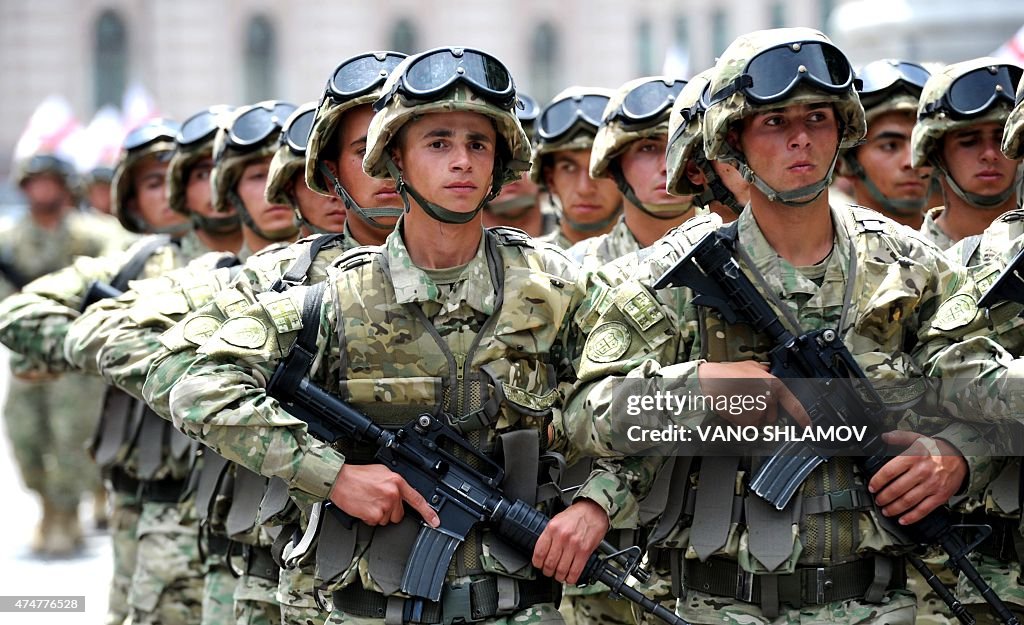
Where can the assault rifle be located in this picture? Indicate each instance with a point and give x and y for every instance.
(822, 374)
(462, 496)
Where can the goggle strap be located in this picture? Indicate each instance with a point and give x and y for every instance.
(741, 82)
(366, 214)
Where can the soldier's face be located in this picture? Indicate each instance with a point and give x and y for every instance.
(45, 191)
(583, 199)
(366, 191)
(522, 187)
(790, 147)
(324, 212)
(885, 157)
(99, 196)
(643, 166)
(449, 158)
(251, 188)
(198, 194)
(150, 197)
(973, 158)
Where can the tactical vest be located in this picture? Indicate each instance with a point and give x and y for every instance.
(492, 378)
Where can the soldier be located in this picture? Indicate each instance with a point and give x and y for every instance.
(146, 471)
(443, 291)
(561, 165)
(188, 181)
(714, 185)
(48, 416)
(880, 170)
(96, 188)
(629, 148)
(959, 128)
(519, 203)
(782, 105)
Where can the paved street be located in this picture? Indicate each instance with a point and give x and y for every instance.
(22, 574)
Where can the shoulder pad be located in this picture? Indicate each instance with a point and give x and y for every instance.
(356, 257)
(868, 220)
(507, 235)
(1011, 216)
(270, 249)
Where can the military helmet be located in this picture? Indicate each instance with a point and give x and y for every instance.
(962, 95)
(97, 175)
(569, 122)
(768, 68)
(1013, 132)
(290, 157)
(890, 85)
(153, 138)
(194, 143)
(527, 110)
(44, 163)
(251, 134)
(637, 110)
(685, 132)
(355, 82)
(423, 84)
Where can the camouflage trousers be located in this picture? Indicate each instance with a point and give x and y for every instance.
(49, 423)
(540, 614)
(167, 588)
(295, 593)
(897, 608)
(1005, 580)
(256, 601)
(218, 592)
(596, 609)
(659, 588)
(124, 530)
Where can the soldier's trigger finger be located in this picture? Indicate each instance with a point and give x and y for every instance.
(412, 497)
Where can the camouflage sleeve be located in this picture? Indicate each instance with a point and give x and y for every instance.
(619, 484)
(975, 442)
(35, 321)
(221, 398)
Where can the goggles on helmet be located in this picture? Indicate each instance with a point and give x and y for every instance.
(150, 132)
(647, 101)
(561, 116)
(527, 109)
(201, 126)
(361, 74)
(878, 77)
(433, 73)
(256, 123)
(296, 130)
(977, 91)
(774, 73)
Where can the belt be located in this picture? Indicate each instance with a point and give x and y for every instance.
(259, 563)
(466, 603)
(123, 483)
(805, 586)
(162, 491)
(1002, 543)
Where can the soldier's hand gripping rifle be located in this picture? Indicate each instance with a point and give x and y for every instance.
(461, 495)
(820, 371)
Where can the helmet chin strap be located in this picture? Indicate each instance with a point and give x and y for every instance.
(715, 190)
(176, 231)
(513, 208)
(595, 226)
(437, 211)
(658, 211)
(369, 215)
(898, 207)
(216, 225)
(796, 197)
(978, 200)
(281, 234)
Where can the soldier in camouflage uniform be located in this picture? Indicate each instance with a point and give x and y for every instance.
(561, 166)
(959, 128)
(146, 463)
(825, 557)
(48, 416)
(880, 169)
(519, 204)
(456, 145)
(95, 187)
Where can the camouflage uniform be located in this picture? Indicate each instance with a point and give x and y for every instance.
(166, 583)
(931, 231)
(642, 336)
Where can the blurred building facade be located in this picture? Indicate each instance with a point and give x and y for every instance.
(192, 53)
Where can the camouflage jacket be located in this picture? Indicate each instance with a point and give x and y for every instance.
(931, 231)
(485, 345)
(594, 252)
(905, 292)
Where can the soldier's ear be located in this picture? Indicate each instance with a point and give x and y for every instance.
(694, 174)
